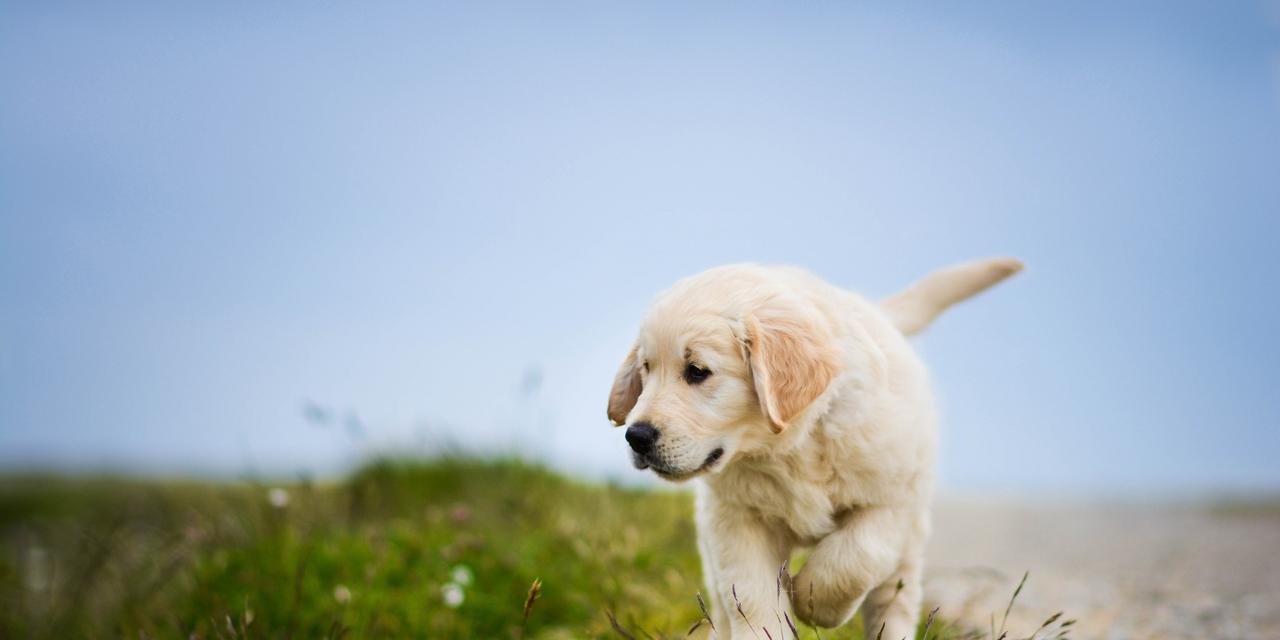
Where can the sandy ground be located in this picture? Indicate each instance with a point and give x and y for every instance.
(1124, 571)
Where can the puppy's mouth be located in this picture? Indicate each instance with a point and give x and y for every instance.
(667, 473)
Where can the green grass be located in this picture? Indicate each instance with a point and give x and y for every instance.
(368, 557)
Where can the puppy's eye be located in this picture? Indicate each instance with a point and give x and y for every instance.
(693, 374)
(646, 366)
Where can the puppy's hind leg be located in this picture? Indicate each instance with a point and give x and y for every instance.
(891, 610)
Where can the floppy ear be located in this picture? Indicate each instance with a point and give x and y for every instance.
(793, 358)
(626, 388)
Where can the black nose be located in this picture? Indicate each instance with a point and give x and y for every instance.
(641, 437)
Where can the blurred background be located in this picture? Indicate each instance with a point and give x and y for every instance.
(275, 240)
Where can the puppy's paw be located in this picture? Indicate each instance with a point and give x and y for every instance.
(816, 603)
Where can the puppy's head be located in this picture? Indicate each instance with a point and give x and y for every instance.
(724, 362)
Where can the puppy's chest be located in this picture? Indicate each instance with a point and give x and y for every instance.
(806, 502)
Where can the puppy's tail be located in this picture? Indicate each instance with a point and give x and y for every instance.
(913, 308)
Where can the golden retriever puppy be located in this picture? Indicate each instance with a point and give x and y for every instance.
(810, 420)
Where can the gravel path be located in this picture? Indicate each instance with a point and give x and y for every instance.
(1124, 571)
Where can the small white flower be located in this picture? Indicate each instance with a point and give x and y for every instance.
(279, 498)
(452, 594)
(342, 594)
(462, 575)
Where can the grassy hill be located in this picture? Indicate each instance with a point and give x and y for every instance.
(440, 549)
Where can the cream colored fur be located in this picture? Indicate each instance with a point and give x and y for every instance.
(815, 428)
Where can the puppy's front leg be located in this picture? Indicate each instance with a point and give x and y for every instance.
(743, 558)
(847, 564)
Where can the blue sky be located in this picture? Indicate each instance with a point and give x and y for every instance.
(442, 224)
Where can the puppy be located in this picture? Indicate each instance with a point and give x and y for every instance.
(810, 420)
